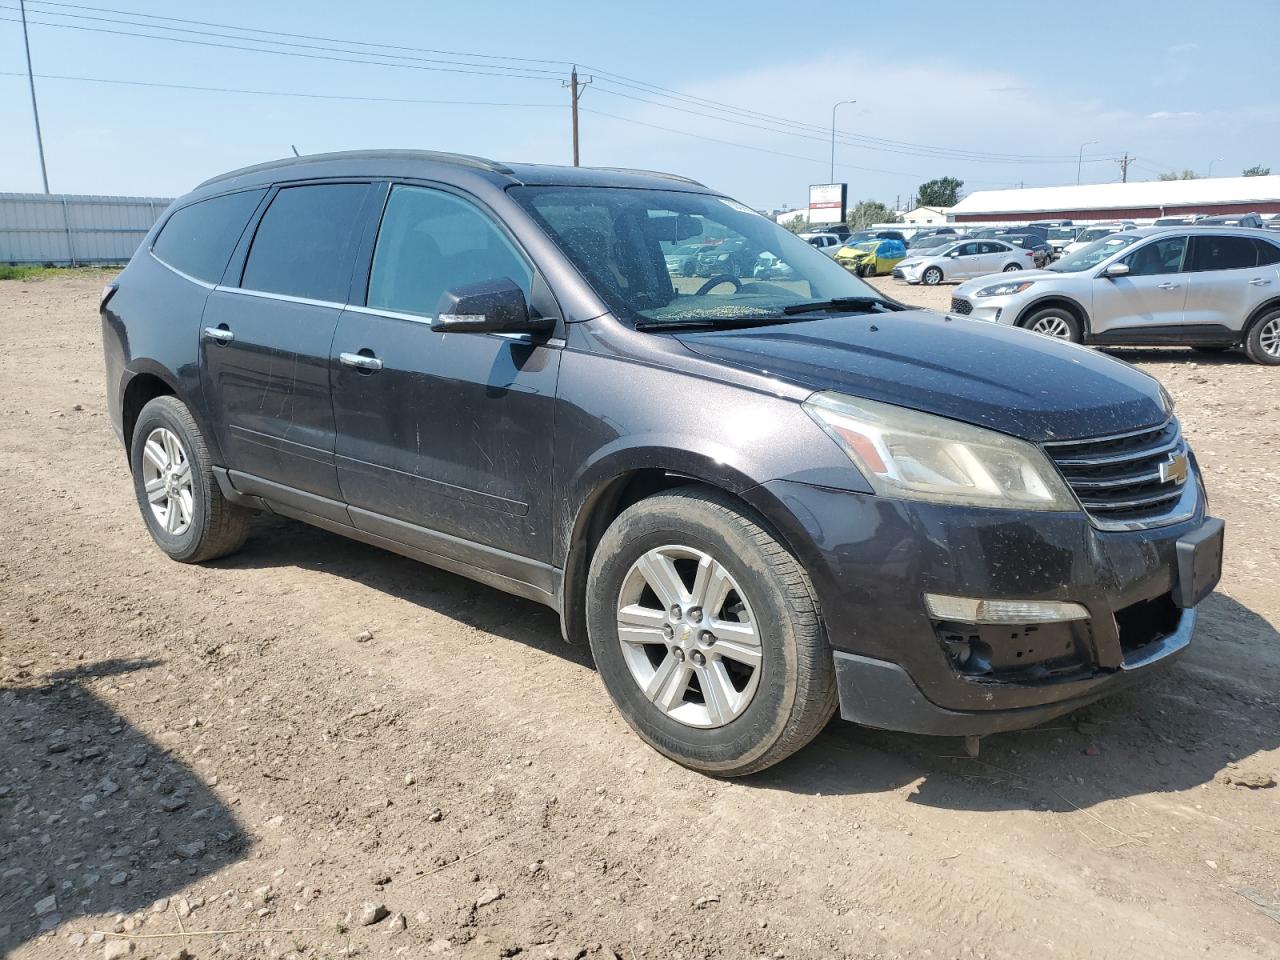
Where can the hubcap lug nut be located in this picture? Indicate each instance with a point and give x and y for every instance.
(698, 658)
(707, 637)
(667, 631)
(678, 653)
(695, 613)
(675, 612)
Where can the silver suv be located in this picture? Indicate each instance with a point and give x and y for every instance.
(1196, 287)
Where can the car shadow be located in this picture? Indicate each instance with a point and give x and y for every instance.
(1205, 358)
(280, 542)
(1178, 731)
(97, 817)
(1170, 734)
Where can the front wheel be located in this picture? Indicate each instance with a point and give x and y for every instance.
(706, 634)
(1054, 322)
(931, 277)
(181, 503)
(1263, 342)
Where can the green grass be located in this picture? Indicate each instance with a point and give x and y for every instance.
(40, 273)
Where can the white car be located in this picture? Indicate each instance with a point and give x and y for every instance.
(963, 260)
(1095, 233)
(826, 242)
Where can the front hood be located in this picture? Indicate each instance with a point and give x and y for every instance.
(977, 283)
(1010, 380)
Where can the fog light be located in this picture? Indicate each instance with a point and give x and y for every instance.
(973, 610)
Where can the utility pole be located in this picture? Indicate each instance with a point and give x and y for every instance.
(1080, 158)
(35, 111)
(1124, 166)
(575, 92)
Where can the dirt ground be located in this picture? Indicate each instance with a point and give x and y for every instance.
(217, 759)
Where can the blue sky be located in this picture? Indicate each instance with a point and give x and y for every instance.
(993, 93)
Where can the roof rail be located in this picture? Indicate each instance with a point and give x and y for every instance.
(652, 173)
(438, 156)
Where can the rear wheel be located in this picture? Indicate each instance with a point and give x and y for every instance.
(706, 634)
(1263, 342)
(931, 277)
(1010, 267)
(181, 503)
(1054, 322)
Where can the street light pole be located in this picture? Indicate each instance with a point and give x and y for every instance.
(1080, 158)
(833, 137)
(1212, 162)
(35, 112)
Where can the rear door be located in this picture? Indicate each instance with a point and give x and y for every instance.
(444, 440)
(265, 344)
(1148, 303)
(1227, 280)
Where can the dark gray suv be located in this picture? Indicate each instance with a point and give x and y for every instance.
(755, 499)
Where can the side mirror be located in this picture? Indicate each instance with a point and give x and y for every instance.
(953, 254)
(1116, 270)
(493, 306)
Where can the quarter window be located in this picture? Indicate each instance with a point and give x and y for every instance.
(431, 241)
(1223, 253)
(199, 239)
(1163, 256)
(1268, 253)
(303, 246)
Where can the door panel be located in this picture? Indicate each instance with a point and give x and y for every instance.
(1226, 283)
(453, 433)
(1153, 294)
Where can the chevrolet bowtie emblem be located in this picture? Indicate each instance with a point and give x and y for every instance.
(1174, 470)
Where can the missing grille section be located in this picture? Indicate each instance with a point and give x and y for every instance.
(1023, 653)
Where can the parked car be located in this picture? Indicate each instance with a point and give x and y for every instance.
(771, 267)
(960, 261)
(1183, 220)
(1059, 237)
(1002, 233)
(931, 241)
(1233, 220)
(928, 233)
(1095, 233)
(861, 236)
(1052, 224)
(1209, 287)
(872, 258)
(729, 258)
(1041, 251)
(826, 242)
(682, 261)
(477, 365)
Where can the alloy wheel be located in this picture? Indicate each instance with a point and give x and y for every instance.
(1052, 326)
(688, 636)
(1269, 337)
(166, 477)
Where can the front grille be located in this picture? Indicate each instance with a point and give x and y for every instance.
(1119, 478)
(899, 274)
(961, 306)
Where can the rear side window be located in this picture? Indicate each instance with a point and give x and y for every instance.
(304, 243)
(431, 241)
(1223, 253)
(1268, 253)
(199, 239)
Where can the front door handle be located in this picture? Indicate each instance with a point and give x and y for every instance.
(1259, 282)
(221, 334)
(360, 362)
(1167, 285)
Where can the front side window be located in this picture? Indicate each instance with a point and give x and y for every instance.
(1223, 253)
(624, 243)
(968, 250)
(304, 244)
(431, 241)
(1154, 259)
(199, 239)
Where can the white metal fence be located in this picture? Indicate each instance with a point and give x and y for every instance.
(69, 230)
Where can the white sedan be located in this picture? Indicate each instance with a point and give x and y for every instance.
(962, 261)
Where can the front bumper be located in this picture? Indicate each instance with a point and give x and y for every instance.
(992, 309)
(871, 560)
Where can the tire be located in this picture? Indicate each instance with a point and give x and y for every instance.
(1262, 345)
(769, 710)
(1054, 322)
(195, 522)
(1010, 267)
(931, 277)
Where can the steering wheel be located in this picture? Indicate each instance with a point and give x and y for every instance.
(715, 281)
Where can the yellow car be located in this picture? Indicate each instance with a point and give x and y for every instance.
(871, 258)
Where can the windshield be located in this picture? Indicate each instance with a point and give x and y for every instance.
(619, 238)
(1095, 253)
(938, 251)
(1063, 233)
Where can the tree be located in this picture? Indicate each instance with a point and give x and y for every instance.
(1187, 174)
(942, 192)
(796, 224)
(1257, 170)
(867, 212)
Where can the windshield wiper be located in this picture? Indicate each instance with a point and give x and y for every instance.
(713, 323)
(847, 304)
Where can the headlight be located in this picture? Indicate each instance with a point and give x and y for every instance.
(917, 456)
(1008, 288)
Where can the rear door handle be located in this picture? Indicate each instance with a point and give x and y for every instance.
(1167, 285)
(360, 362)
(220, 334)
(1259, 282)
